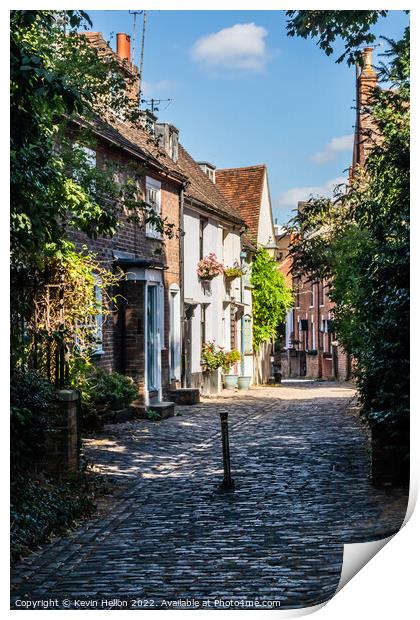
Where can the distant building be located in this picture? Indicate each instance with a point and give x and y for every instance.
(311, 347)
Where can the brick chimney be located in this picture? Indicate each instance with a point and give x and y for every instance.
(367, 68)
(122, 54)
(123, 46)
(367, 80)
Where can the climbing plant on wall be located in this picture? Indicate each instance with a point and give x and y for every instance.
(271, 297)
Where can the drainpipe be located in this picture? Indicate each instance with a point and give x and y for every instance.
(318, 321)
(242, 256)
(181, 281)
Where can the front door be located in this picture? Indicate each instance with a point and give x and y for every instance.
(152, 339)
(188, 345)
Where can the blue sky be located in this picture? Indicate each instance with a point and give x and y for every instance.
(244, 93)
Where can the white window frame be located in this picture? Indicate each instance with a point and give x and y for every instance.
(312, 295)
(91, 160)
(99, 317)
(322, 296)
(153, 184)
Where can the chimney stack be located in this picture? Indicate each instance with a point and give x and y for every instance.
(123, 46)
(367, 68)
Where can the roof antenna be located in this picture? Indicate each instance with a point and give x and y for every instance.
(133, 47)
(142, 49)
(154, 103)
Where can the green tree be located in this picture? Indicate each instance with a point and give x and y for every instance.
(360, 241)
(60, 89)
(351, 27)
(271, 297)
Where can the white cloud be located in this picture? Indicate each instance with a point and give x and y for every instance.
(291, 198)
(240, 47)
(155, 88)
(336, 145)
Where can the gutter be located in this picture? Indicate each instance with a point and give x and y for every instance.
(181, 282)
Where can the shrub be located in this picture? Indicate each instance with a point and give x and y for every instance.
(41, 508)
(231, 357)
(32, 416)
(113, 390)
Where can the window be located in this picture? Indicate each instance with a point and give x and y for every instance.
(174, 333)
(153, 199)
(210, 174)
(296, 287)
(203, 324)
(312, 295)
(225, 243)
(98, 317)
(321, 293)
(203, 224)
(87, 161)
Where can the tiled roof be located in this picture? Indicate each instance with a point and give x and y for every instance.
(204, 191)
(243, 188)
(140, 143)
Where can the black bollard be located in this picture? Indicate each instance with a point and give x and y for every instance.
(227, 484)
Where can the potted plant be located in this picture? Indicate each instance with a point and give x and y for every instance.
(244, 383)
(212, 359)
(230, 380)
(231, 273)
(209, 267)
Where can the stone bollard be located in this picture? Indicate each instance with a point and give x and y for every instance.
(63, 443)
(227, 484)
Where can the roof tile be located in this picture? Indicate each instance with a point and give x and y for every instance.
(243, 188)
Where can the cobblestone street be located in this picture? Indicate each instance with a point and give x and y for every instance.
(301, 466)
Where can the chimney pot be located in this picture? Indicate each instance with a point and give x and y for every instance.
(367, 60)
(123, 46)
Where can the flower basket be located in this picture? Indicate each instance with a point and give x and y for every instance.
(231, 273)
(209, 267)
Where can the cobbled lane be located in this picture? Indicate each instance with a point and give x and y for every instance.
(301, 466)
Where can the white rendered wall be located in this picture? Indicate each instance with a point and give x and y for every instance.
(227, 248)
(265, 223)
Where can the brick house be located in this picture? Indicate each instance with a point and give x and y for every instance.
(311, 347)
(248, 191)
(141, 338)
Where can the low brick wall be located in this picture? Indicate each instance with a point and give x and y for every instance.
(343, 365)
(312, 366)
(63, 444)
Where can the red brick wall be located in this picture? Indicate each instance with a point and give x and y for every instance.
(131, 238)
(310, 307)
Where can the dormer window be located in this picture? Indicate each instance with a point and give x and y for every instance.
(168, 139)
(209, 170)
